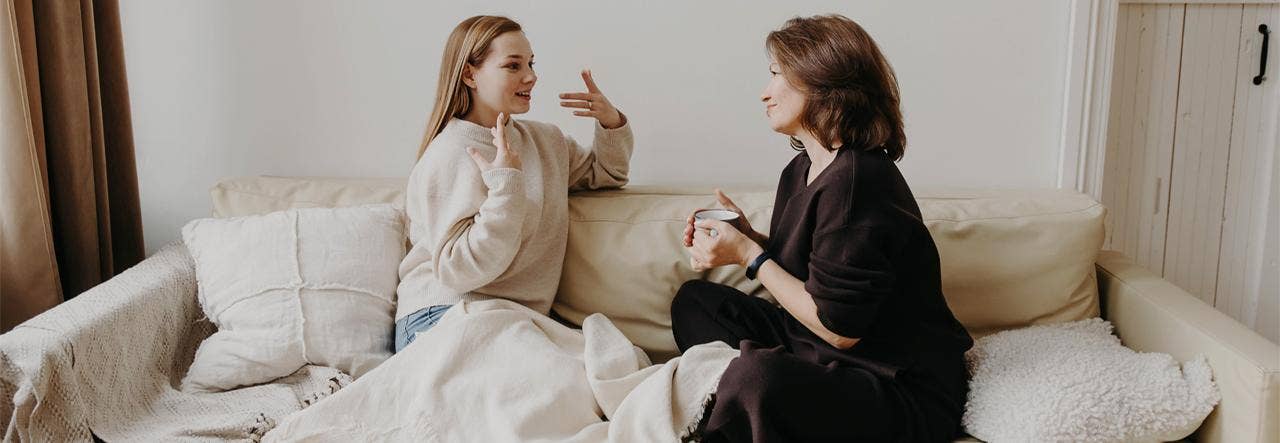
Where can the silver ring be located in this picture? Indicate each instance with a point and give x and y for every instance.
(713, 233)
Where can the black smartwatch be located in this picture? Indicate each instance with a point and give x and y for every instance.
(755, 265)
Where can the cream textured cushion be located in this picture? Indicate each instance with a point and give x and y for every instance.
(1075, 382)
(1010, 258)
(285, 289)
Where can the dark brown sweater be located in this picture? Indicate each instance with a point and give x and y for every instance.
(856, 238)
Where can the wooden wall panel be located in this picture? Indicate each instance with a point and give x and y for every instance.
(1251, 184)
(1141, 129)
(1202, 142)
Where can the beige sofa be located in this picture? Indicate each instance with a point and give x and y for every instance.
(1010, 259)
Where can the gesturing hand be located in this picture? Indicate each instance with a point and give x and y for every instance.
(594, 102)
(505, 158)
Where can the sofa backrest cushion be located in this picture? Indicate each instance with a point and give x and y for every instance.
(1010, 258)
(239, 196)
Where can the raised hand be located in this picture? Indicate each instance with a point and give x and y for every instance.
(592, 104)
(505, 158)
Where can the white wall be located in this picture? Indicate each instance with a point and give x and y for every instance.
(336, 88)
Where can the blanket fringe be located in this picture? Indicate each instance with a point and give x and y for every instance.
(263, 424)
(693, 432)
(334, 384)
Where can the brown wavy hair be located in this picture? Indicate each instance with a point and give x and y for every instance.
(468, 44)
(850, 89)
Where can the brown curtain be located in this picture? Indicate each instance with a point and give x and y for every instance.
(69, 208)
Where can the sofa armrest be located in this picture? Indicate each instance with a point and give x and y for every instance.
(100, 352)
(1150, 314)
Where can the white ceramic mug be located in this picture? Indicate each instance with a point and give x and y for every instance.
(723, 215)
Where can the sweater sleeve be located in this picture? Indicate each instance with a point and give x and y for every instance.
(605, 163)
(470, 221)
(850, 277)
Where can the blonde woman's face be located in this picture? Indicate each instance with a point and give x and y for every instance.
(783, 103)
(504, 81)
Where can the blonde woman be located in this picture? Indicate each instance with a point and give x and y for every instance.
(488, 198)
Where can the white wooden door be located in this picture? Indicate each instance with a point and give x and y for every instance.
(1191, 148)
(1144, 96)
(1252, 186)
(1201, 145)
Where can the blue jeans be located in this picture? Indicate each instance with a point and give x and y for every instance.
(408, 327)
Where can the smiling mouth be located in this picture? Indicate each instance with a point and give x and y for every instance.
(526, 94)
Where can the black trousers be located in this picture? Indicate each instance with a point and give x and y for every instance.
(769, 394)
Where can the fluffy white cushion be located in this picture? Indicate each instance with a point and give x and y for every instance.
(1076, 382)
(290, 288)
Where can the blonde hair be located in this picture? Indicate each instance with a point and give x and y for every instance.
(468, 44)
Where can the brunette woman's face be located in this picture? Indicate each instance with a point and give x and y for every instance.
(783, 103)
(504, 80)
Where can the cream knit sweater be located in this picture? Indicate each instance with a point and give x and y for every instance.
(501, 233)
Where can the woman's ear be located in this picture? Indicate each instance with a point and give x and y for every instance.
(468, 76)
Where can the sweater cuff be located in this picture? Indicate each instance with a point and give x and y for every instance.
(503, 180)
(626, 124)
(619, 136)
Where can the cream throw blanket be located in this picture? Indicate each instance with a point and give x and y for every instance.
(495, 370)
(110, 360)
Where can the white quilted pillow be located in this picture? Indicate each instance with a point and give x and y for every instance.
(1076, 382)
(290, 288)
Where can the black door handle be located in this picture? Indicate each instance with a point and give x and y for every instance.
(1262, 69)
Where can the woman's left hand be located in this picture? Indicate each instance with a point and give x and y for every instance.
(593, 103)
(716, 243)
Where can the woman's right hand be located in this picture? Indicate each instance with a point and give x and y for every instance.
(506, 158)
(742, 224)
